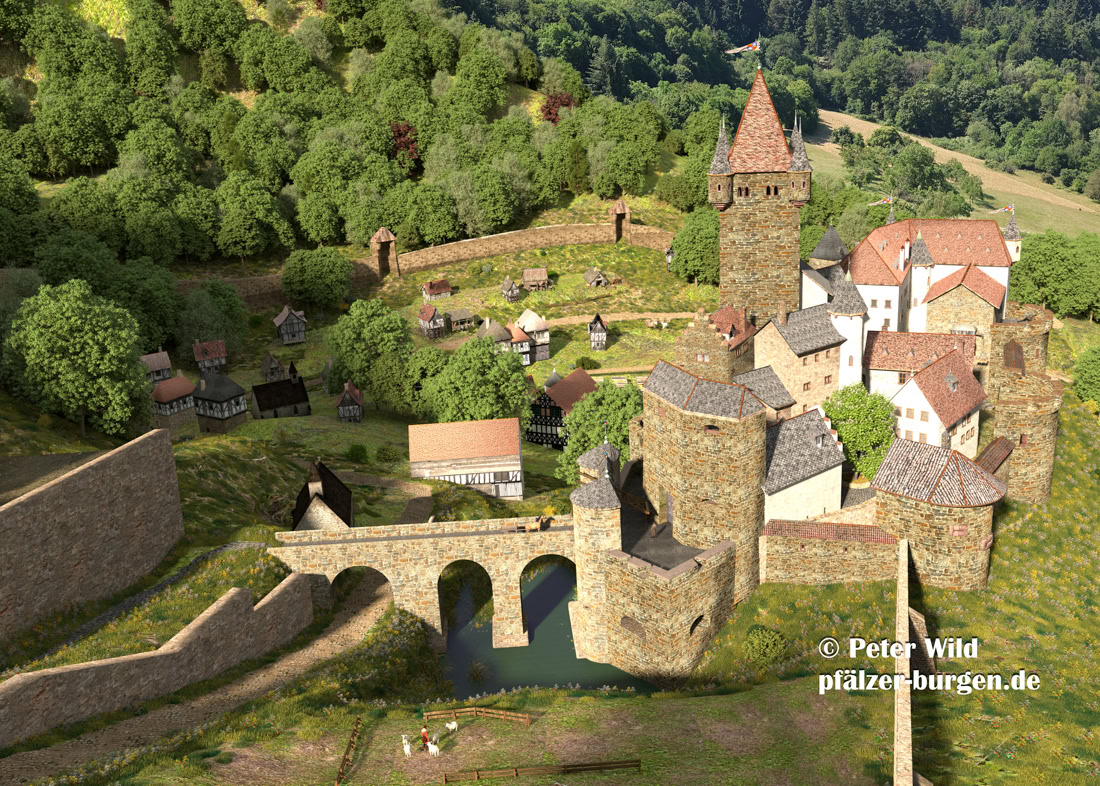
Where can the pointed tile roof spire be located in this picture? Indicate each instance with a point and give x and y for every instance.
(919, 254)
(720, 164)
(830, 247)
(759, 144)
(846, 299)
(1011, 230)
(800, 162)
(891, 219)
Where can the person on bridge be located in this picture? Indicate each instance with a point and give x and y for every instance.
(424, 738)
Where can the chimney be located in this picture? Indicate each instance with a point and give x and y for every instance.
(901, 258)
(907, 249)
(781, 317)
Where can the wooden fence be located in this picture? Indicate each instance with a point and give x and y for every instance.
(549, 769)
(352, 743)
(485, 712)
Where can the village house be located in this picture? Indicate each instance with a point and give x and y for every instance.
(482, 454)
(433, 322)
(271, 369)
(535, 278)
(291, 325)
(537, 328)
(804, 462)
(892, 359)
(521, 343)
(460, 319)
(594, 278)
(210, 355)
(350, 406)
(549, 408)
(219, 403)
(324, 502)
(510, 291)
(597, 334)
(967, 302)
(940, 405)
(173, 402)
(433, 290)
(282, 399)
(158, 365)
(497, 333)
(766, 386)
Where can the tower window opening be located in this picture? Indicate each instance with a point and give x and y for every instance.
(767, 190)
(803, 183)
(746, 190)
(775, 190)
(696, 624)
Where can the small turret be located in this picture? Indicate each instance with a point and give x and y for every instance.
(891, 218)
(720, 177)
(1012, 238)
(800, 162)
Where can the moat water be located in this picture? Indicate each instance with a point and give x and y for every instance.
(547, 660)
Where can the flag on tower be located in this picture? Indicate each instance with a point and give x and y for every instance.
(883, 201)
(753, 47)
(1006, 209)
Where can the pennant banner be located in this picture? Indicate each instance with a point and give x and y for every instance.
(883, 201)
(1006, 209)
(753, 47)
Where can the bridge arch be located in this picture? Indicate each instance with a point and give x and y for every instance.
(539, 601)
(453, 579)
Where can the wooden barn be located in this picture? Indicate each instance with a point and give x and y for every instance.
(285, 398)
(291, 325)
(433, 322)
(595, 278)
(510, 291)
(158, 365)
(482, 454)
(535, 278)
(433, 290)
(210, 355)
(350, 406)
(460, 319)
(219, 403)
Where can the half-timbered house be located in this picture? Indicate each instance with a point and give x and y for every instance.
(549, 408)
(158, 365)
(271, 369)
(597, 334)
(350, 406)
(291, 325)
(219, 403)
(510, 291)
(433, 290)
(482, 454)
(433, 322)
(210, 355)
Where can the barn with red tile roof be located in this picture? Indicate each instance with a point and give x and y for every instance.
(482, 454)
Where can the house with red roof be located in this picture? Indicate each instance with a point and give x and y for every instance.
(557, 399)
(967, 302)
(939, 405)
(209, 355)
(173, 402)
(892, 359)
(432, 321)
(482, 454)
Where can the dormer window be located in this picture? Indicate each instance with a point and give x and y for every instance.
(821, 440)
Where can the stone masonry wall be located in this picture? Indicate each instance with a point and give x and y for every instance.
(863, 513)
(228, 632)
(637, 434)
(701, 337)
(1031, 330)
(950, 546)
(715, 479)
(89, 533)
(825, 553)
(176, 421)
(595, 532)
(770, 349)
(1028, 406)
(960, 306)
(758, 240)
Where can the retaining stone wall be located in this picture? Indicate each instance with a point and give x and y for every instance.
(825, 553)
(90, 533)
(863, 513)
(228, 632)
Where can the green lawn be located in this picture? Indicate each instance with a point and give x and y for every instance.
(1075, 336)
(24, 431)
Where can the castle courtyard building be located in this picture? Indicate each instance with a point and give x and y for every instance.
(804, 351)
(892, 359)
(803, 469)
(940, 404)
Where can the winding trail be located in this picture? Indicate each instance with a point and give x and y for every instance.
(360, 611)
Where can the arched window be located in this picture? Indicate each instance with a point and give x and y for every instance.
(746, 190)
(739, 191)
(803, 183)
(767, 190)
(775, 190)
(696, 624)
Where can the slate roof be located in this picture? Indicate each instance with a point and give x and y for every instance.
(830, 246)
(597, 457)
(383, 235)
(286, 312)
(572, 389)
(918, 252)
(494, 330)
(1012, 231)
(793, 454)
(553, 379)
(891, 351)
(800, 162)
(282, 393)
(846, 299)
(353, 393)
(438, 286)
(765, 384)
(208, 349)
(426, 312)
(156, 361)
(535, 274)
(507, 285)
(720, 164)
(464, 439)
(759, 144)
(934, 382)
(694, 394)
(981, 284)
(826, 277)
(217, 387)
(460, 313)
(733, 322)
(995, 454)
(334, 493)
(940, 476)
(270, 363)
(597, 495)
(173, 388)
(809, 330)
(597, 323)
(529, 321)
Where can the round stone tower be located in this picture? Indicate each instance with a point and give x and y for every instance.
(847, 312)
(1018, 343)
(596, 529)
(1027, 414)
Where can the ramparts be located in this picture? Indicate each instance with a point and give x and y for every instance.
(812, 552)
(89, 533)
(1027, 415)
(228, 632)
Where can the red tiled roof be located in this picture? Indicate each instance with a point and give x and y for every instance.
(172, 388)
(572, 389)
(728, 319)
(891, 351)
(353, 392)
(995, 454)
(517, 333)
(859, 533)
(934, 383)
(437, 286)
(981, 284)
(426, 312)
(209, 349)
(156, 361)
(759, 145)
(464, 439)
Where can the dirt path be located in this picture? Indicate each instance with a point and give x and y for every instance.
(417, 509)
(361, 610)
(621, 316)
(991, 179)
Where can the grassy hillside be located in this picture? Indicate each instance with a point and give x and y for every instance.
(25, 431)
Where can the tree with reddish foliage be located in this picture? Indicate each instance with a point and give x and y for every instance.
(553, 103)
(405, 150)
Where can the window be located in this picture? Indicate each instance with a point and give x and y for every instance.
(901, 377)
(924, 416)
(706, 357)
(888, 303)
(1023, 440)
(803, 183)
(805, 360)
(914, 302)
(909, 412)
(710, 429)
(817, 356)
(908, 434)
(827, 351)
(828, 378)
(805, 385)
(897, 412)
(746, 190)
(874, 303)
(775, 190)
(851, 360)
(886, 324)
(923, 437)
(696, 624)
(768, 190)
(804, 408)
(699, 356)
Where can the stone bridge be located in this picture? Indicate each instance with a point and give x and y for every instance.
(412, 557)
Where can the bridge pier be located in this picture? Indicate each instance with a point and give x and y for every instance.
(509, 628)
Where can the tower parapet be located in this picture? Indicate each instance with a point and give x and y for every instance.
(1028, 325)
(597, 529)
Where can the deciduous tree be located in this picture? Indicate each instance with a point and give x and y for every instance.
(696, 246)
(864, 423)
(321, 277)
(480, 384)
(585, 425)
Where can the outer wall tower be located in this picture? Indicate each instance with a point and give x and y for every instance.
(758, 196)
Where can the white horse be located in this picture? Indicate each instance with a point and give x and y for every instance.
(433, 749)
(452, 726)
(406, 746)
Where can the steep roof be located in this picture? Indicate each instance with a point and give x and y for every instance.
(800, 162)
(217, 387)
(936, 380)
(334, 494)
(529, 321)
(426, 312)
(270, 363)
(720, 164)
(809, 330)
(383, 235)
(516, 333)
(919, 254)
(173, 388)
(826, 277)
(1012, 231)
(940, 476)
(507, 285)
(995, 454)
(766, 386)
(846, 299)
(830, 246)
(438, 286)
(494, 330)
(619, 207)
(598, 495)
(597, 457)
(281, 393)
(553, 379)
(759, 144)
(981, 284)
(464, 439)
(353, 393)
(209, 349)
(156, 361)
(592, 274)
(694, 394)
(793, 453)
(733, 322)
(572, 389)
(534, 274)
(286, 312)
(597, 323)
(891, 351)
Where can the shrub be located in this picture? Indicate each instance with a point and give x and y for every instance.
(387, 454)
(255, 320)
(764, 646)
(587, 363)
(279, 435)
(44, 421)
(357, 453)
